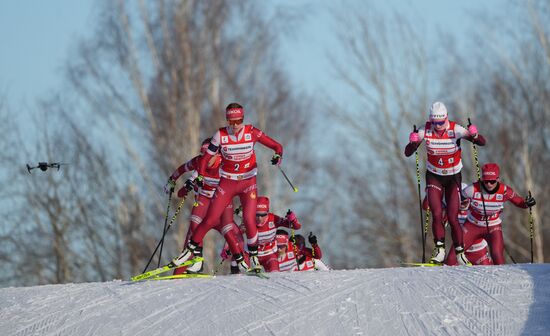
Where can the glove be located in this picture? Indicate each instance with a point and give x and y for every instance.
(414, 137)
(186, 188)
(170, 185)
(225, 254)
(290, 216)
(530, 201)
(472, 129)
(199, 181)
(276, 160)
(312, 239)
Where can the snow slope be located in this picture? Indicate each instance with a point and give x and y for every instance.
(493, 300)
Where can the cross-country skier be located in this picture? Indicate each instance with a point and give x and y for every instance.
(486, 204)
(443, 177)
(309, 259)
(225, 224)
(238, 178)
(267, 224)
(285, 251)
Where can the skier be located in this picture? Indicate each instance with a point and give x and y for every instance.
(486, 205)
(309, 259)
(443, 177)
(225, 224)
(285, 251)
(267, 224)
(238, 177)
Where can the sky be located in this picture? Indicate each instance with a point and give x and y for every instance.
(37, 36)
(483, 300)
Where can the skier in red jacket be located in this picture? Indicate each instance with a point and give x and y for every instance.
(225, 224)
(486, 204)
(267, 224)
(443, 177)
(238, 178)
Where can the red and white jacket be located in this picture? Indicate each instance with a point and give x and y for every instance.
(237, 150)
(444, 152)
(211, 175)
(485, 208)
(287, 261)
(267, 231)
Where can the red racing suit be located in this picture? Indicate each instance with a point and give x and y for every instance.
(483, 219)
(238, 177)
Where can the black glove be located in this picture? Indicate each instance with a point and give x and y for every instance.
(530, 201)
(189, 185)
(312, 238)
(276, 160)
(199, 181)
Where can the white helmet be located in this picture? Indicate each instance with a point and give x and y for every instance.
(438, 112)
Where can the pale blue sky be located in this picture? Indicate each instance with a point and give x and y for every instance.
(36, 37)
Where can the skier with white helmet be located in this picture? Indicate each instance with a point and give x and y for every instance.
(443, 176)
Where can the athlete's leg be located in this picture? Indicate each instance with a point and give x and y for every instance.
(496, 244)
(435, 191)
(222, 197)
(452, 199)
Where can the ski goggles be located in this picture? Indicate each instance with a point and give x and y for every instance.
(439, 123)
(235, 122)
(261, 214)
(490, 181)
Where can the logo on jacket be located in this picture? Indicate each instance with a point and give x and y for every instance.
(225, 139)
(248, 136)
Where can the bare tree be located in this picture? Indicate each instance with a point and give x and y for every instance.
(377, 206)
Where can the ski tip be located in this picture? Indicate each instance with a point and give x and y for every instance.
(420, 264)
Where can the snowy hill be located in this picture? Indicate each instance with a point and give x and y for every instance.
(494, 300)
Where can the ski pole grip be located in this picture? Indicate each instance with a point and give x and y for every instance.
(414, 129)
(469, 122)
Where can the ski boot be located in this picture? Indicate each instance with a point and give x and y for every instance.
(461, 257)
(438, 254)
(241, 265)
(254, 261)
(198, 266)
(186, 254)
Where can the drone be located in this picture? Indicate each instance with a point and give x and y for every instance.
(44, 166)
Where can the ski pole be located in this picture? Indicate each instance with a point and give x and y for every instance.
(286, 178)
(165, 223)
(426, 223)
(475, 155)
(531, 229)
(167, 228)
(422, 235)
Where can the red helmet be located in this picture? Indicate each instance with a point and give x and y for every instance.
(234, 111)
(489, 172)
(262, 205)
(281, 239)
